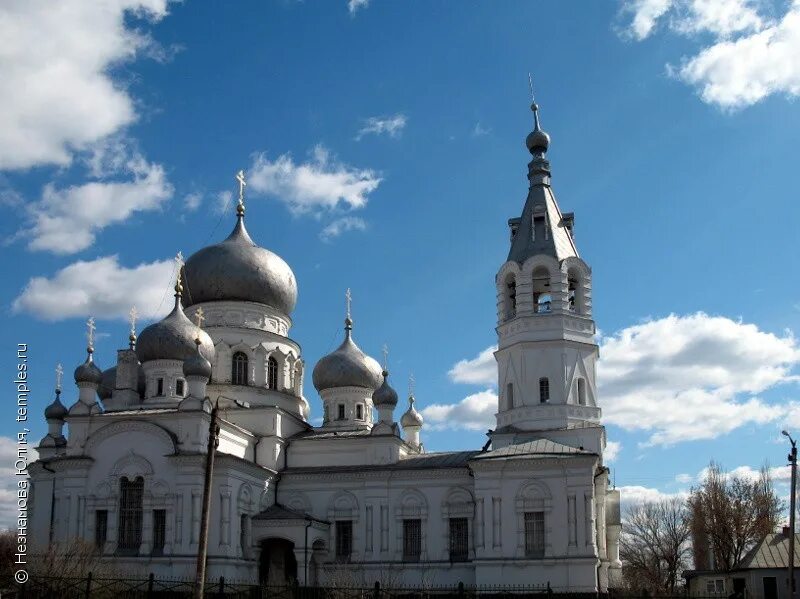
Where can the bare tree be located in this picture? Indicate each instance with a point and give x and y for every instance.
(654, 545)
(729, 515)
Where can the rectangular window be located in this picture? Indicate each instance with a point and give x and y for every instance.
(130, 515)
(412, 540)
(100, 528)
(509, 396)
(344, 539)
(459, 539)
(159, 531)
(359, 412)
(340, 411)
(179, 387)
(243, 533)
(160, 387)
(544, 390)
(534, 534)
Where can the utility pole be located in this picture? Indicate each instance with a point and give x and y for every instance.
(793, 462)
(202, 548)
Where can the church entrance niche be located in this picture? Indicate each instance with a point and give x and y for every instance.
(278, 565)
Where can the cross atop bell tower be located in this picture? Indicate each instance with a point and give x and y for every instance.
(546, 350)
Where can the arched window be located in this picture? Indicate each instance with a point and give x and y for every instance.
(130, 515)
(581, 392)
(541, 290)
(511, 296)
(272, 373)
(239, 368)
(544, 389)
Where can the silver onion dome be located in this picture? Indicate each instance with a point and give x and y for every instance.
(237, 269)
(411, 417)
(197, 365)
(88, 372)
(537, 141)
(347, 366)
(173, 337)
(109, 382)
(384, 395)
(56, 410)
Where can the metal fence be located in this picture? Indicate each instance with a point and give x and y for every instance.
(55, 587)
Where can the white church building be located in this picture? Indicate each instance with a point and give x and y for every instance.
(357, 498)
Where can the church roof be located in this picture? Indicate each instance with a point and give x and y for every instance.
(539, 448)
(280, 512)
(425, 461)
(541, 206)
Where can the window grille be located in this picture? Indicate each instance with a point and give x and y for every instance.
(272, 373)
(130, 515)
(544, 389)
(159, 531)
(243, 533)
(100, 528)
(534, 534)
(459, 539)
(344, 539)
(179, 387)
(239, 368)
(412, 540)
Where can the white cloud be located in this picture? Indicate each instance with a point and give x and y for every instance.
(683, 377)
(66, 221)
(192, 201)
(631, 495)
(390, 125)
(354, 5)
(224, 199)
(480, 370)
(479, 130)
(56, 91)
(341, 225)
(749, 58)
(612, 451)
(646, 13)
(318, 185)
(101, 288)
(684, 478)
(8, 486)
(474, 412)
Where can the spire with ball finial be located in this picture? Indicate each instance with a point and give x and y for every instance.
(537, 141)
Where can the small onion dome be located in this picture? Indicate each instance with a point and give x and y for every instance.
(384, 395)
(88, 372)
(173, 338)
(347, 366)
(239, 270)
(197, 365)
(537, 141)
(109, 382)
(56, 410)
(411, 416)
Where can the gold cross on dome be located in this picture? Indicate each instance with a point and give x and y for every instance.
(385, 351)
(411, 382)
(133, 314)
(242, 185)
(59, 376)
(90, 327)
(199, 317)
(348, 300)
(179, 259)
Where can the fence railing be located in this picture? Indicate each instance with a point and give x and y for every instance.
(55, 587)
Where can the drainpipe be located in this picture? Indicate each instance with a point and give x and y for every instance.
(305, 549)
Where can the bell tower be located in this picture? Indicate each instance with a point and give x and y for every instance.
(546, 353)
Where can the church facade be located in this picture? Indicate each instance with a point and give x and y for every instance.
(357, 499)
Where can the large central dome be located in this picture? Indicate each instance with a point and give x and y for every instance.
(239, 270)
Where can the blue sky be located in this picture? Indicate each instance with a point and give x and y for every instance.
(384, 142)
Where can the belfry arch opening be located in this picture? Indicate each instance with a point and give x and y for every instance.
(510, 294)
(542, 298)
(575, 297)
